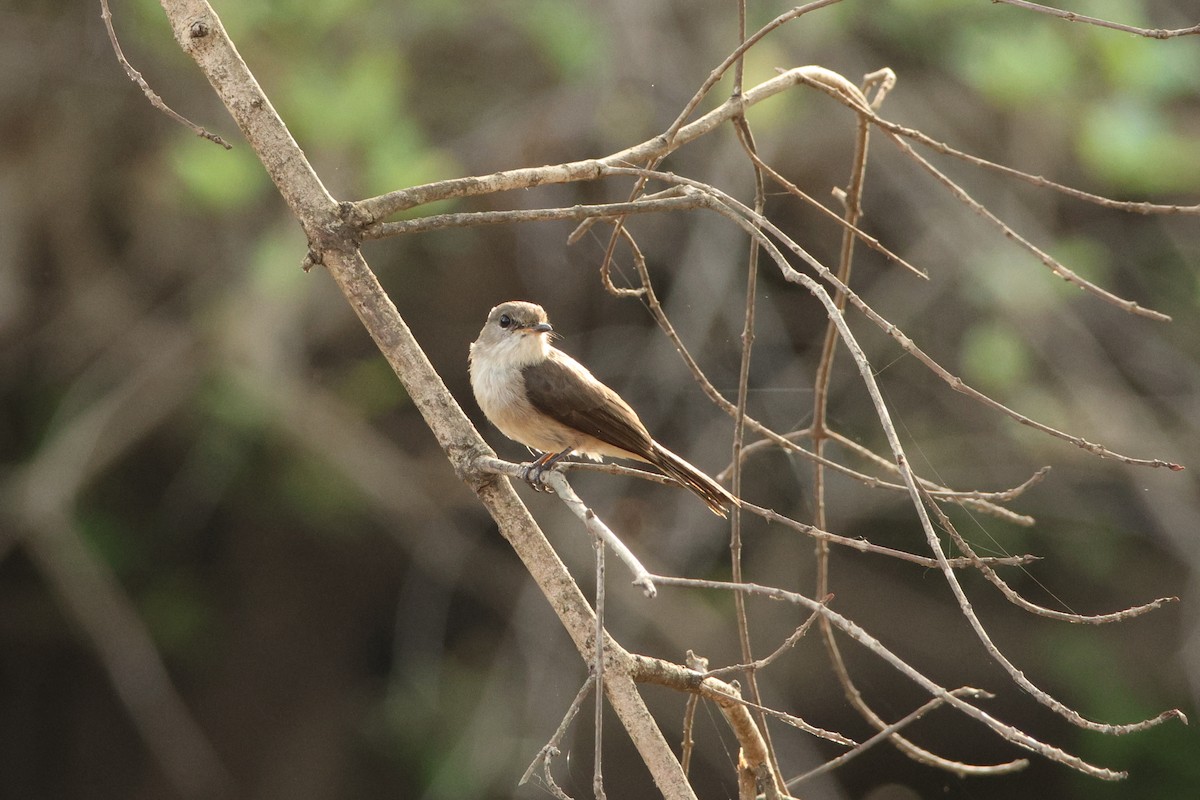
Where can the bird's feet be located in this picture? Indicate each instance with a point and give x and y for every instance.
(533, 474)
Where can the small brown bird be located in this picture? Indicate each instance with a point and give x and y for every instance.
(542, 398)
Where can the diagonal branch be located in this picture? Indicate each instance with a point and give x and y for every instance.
(332, 244)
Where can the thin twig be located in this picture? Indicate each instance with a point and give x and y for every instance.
(598, 660)
(863, 236)
(744, 217)
(746, 139)
(652, 303)
(976, 499)
(594, 525)
(884, 416)
(1015, 675)
(834, 86)
(1131, 206)
(858, 634)
(1016, 599)
(852, 210)
(896, 727)
(764, 662)
(1071, 16)
(734, 707)
(550, 749)
(698, 664)
(770, 515)
(151, 95)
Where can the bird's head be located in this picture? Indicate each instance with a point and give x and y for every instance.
(516, 332)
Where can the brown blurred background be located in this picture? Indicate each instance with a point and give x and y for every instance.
(234, 562)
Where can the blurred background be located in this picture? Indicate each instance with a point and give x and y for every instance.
(233, 562)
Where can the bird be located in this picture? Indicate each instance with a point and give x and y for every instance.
(539, 396)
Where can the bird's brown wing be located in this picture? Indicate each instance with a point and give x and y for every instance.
(556, 388)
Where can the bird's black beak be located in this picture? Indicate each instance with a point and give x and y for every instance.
(541, 327)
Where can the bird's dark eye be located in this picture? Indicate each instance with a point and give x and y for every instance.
(505, 321)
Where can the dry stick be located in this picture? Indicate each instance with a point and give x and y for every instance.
(895, 727)
(1016, 599)
(592, 523)
(332, 241)
(754, 757)
(642, 577)
(1071, 16)
(550, 749)
(1002, 496)
(745, 218)
(884, 416)
(974, 499)
(762, 663)
(1015, 674)
(858, 634)
(597, 665)
(733, 58)
(691, 680)
(742, 215)
(738, 216)
(979, 500)
(1131, 206)
(852, 200)
(1055, 266)
(689, 721)
(767, 514)
(746, 138)
(698, 664)
(151, 95)
(863, 546)
(863, 236)
(852, 100)
(736, 102)
(819, 434)
(664, 323)
(365, 213)
(1103, 618)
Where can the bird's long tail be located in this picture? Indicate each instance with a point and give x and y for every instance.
(712, 493)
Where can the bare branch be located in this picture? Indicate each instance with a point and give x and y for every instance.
(1019, 601)
(594, 525)
(151, 95)
(855, 632)
(1071, 16)
(896, 727)
(550, 749)
(745, 218)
